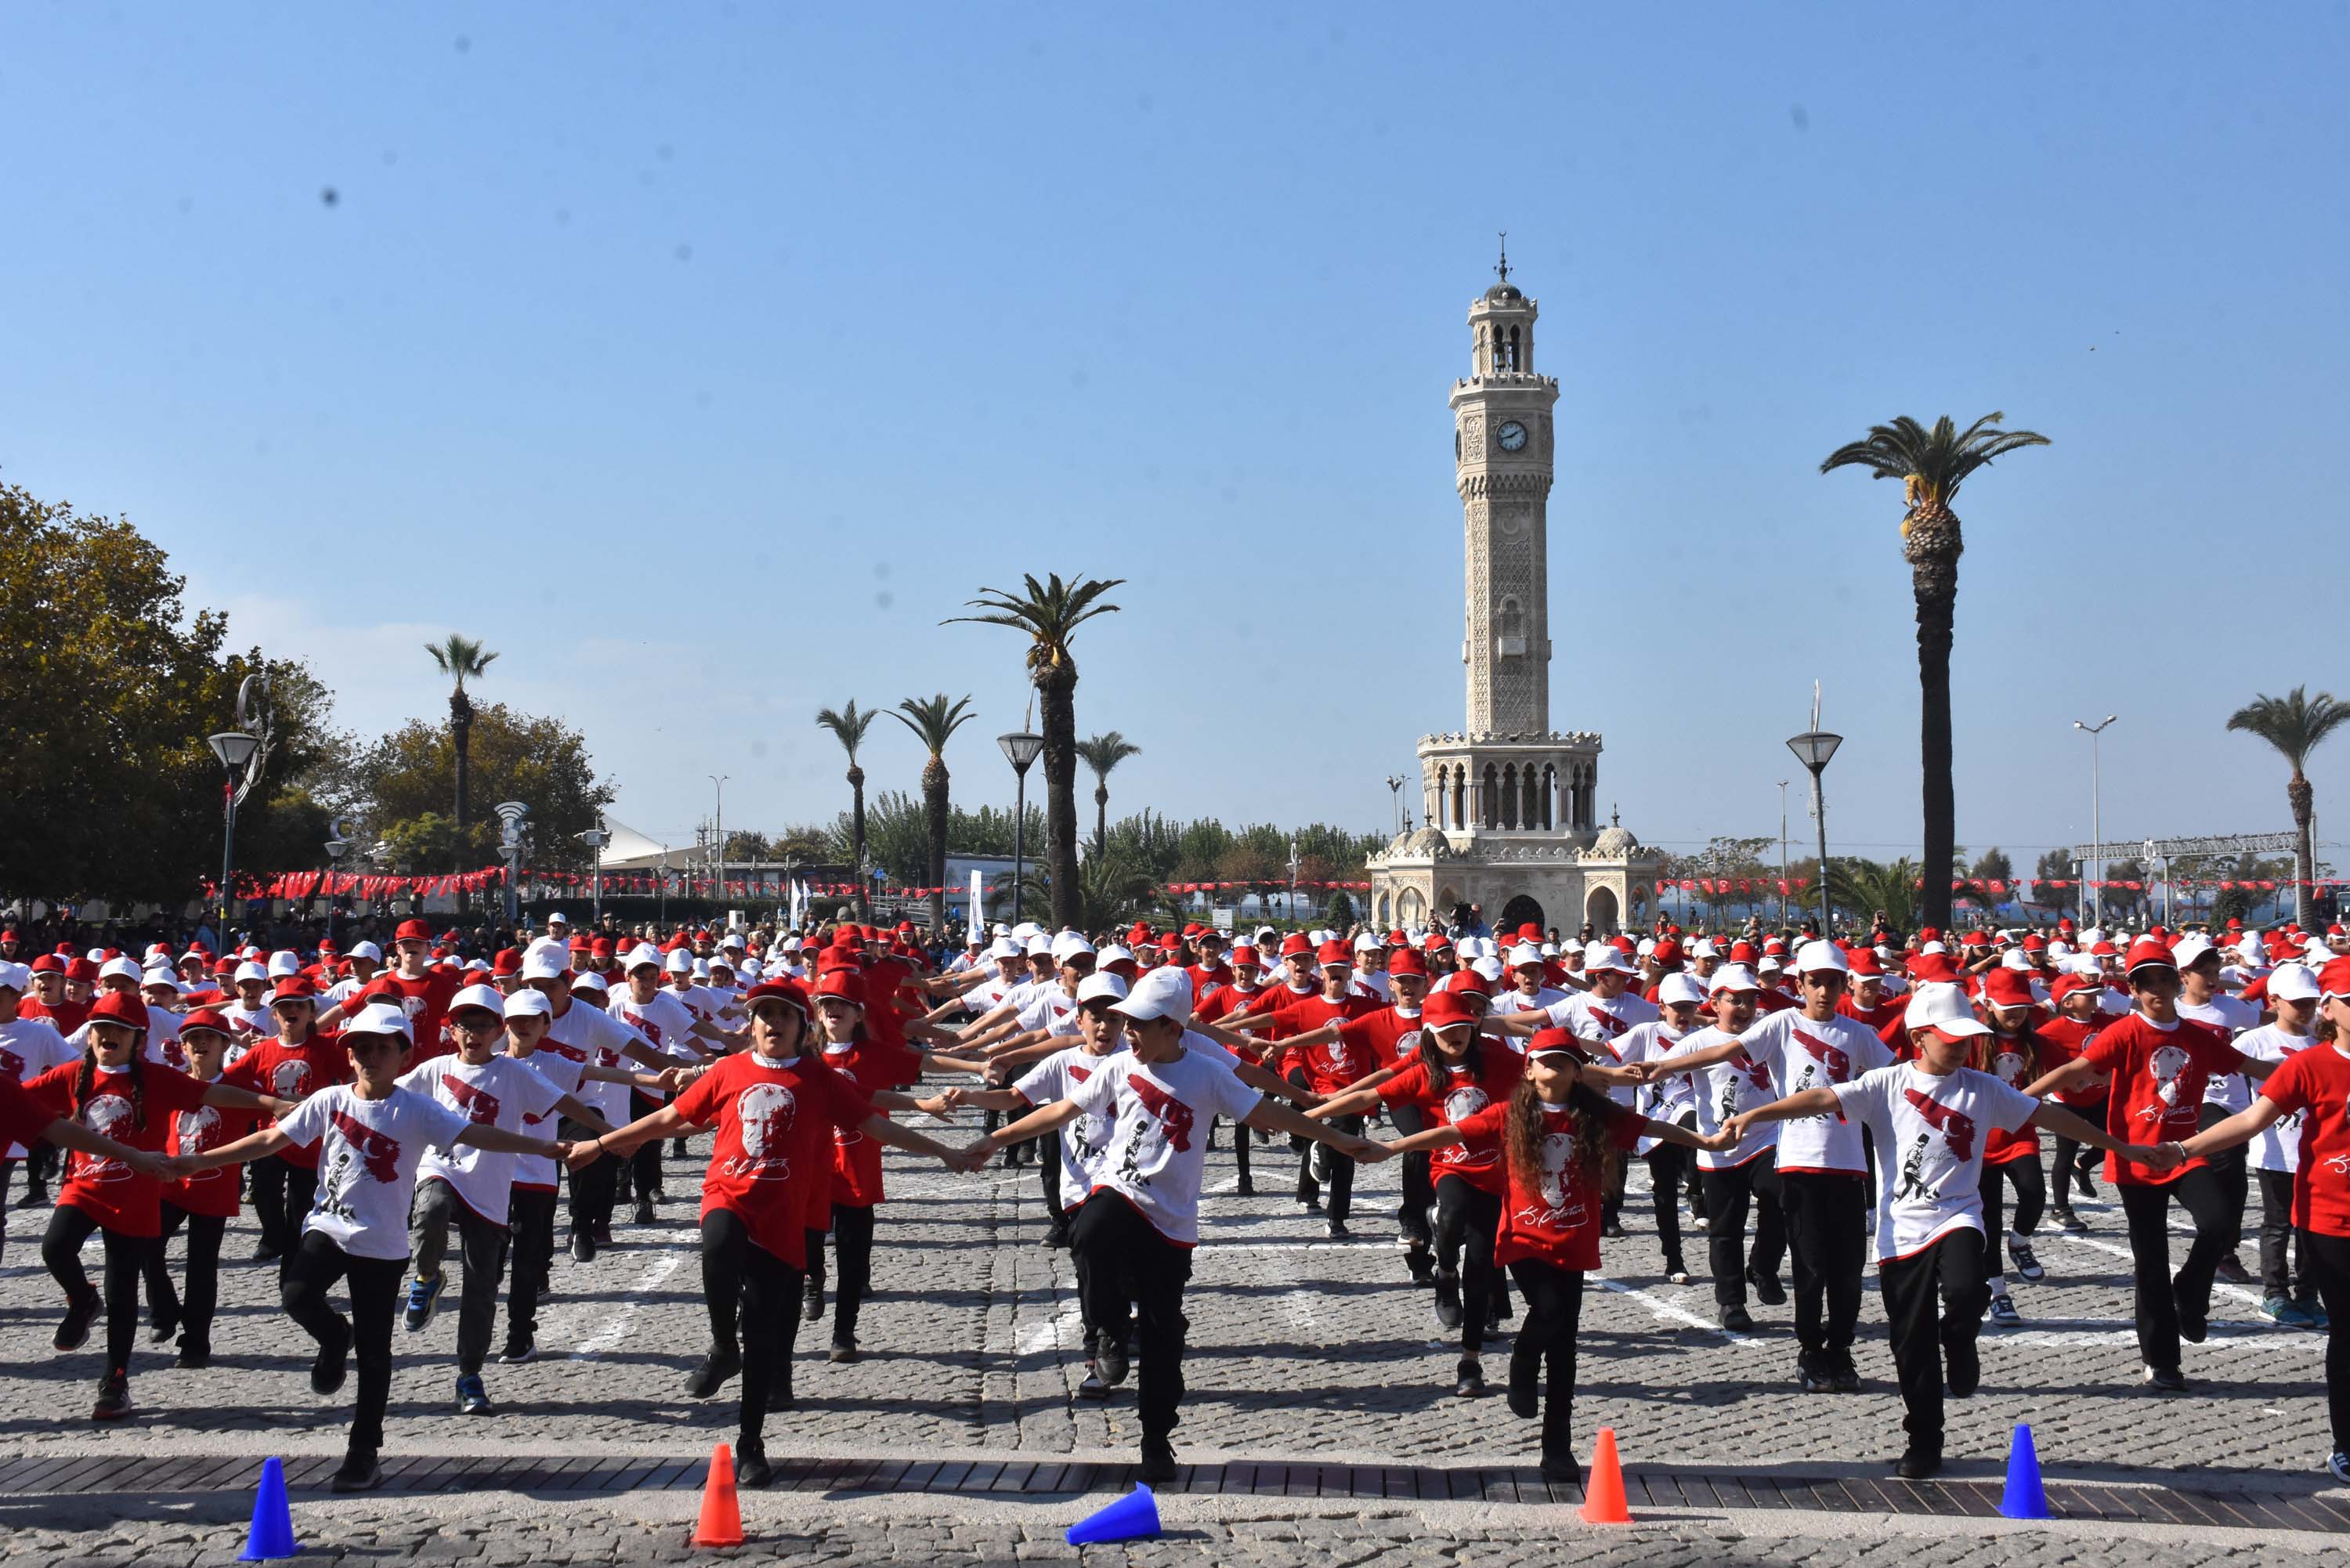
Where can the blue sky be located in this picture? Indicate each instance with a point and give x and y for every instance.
(701, 359)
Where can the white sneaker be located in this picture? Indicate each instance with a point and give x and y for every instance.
(2339, 1465)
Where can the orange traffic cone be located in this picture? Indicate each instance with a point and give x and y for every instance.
(721, 1514)
(1603, 1499)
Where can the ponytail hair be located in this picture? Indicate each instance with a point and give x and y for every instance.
(86, 1081)
(1587, 1116)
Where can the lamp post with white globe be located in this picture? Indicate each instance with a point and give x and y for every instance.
(1812, 748)
(1020, 749)
(234, 748)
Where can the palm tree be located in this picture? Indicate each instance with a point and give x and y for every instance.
(934, 720)
(1102, 753)
(1049, 613)
(2294, 725)
(1864, 889)
(849, 727)
(460, 659)
(1931, 465)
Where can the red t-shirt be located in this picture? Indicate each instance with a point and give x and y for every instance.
(2010, 1066)
(1206, 978)
(23, 1118)
(107, 1190)
(1769, 1001)
(198, 1131)
(1554, 1218)
(774, 1134)
(2315, 1082)
(292, 1072)
(872, 1066)
(425, 999)
(2061, 1040)
(1332, 1067)
(1487, 1079)
(1388, 1034)
(2157, 1085)
(1889, 1011)
(66, 1016)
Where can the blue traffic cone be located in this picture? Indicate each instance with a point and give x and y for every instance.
(271, 1534)
(2024, 1498)
(1130, 1518)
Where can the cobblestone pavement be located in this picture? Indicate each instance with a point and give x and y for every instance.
(1300, 1347)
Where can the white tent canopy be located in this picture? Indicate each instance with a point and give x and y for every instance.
(632, 851)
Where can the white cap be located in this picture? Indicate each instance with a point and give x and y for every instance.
(367, 951)
(1025, 929)
(2189, 950)
(588, 980)
(160, 975)
(718, 960)
(1944, 1008)
(2058, 950)
(2015, 957)
(1068, 944)
(526, 1002)
(381, 1018)
(793, 944)
(1734, 977)
(546, 964)
(1599, 956)
(284, 962)
(733, 940)
(1039, 945)
(642, 954)
(15, 976)
(2289, 981)
(1164, 992)
(1932, 948)
(477, 963)
(1096, 986)
(1367, 943)
(249, 969)
(678, 962)
(1703, 948)
(701, 969)
(1523, 955)
(1004, 948)
(124, 967)
(1814, 956)
(1111, 955)
(486, 997)
(1680, 987)
(558, 918)
(1489, 969)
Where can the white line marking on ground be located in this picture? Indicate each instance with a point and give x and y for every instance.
(1668, 1310)
(1056, 1333)
(618, 1326)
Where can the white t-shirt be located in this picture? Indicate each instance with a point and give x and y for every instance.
(28, 1048)
(1054, 1011)
(2276, 1147)
(562, 1071)
(250, 1025)
(501, 1093)
(1666, 1100)
(1084, 1140)
(1545, 998)
(1158, 1144)
(1374, 982)
(600, 1037)
(367, 1154)
(666, 1021)
(1586, 1016)
(1928, 1133)
(1723, 1090)
(1802, 1054)
(2231, 1017)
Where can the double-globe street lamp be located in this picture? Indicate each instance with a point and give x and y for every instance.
(1812, 748)
(234, 748)
(1020, 749)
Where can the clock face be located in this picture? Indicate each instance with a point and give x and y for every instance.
(1512, 435)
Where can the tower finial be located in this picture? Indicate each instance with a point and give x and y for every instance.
(1615, 817)
(1502, 266)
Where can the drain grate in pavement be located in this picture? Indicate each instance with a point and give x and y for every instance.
(1695, 1488)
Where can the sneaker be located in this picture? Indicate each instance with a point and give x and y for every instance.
(1092, 1386)
(113, 1398)
(2194, 1326)
(711, 1375)
(163, 1327)
(2339, 1465)
(1158, 1457)
(423, 1300)
(472, 1399)
(2164, 1380)
(1735, 1320)
(1767, 1288)
(677, 1148)
(1561, 1468)
(2231, 1271)
(1697, 1222)
(751, 1466)
(1109, 1357)
(1056, 1236)
(1676, 1273)
(1524, 1403)
(1338, 1232)
(2285, 1313)
(1845, 1377)
(263, 1253)
(2072, 1224)
(2027, 1265)
(1469, 1379)
(2004, 1312)
(2316, 1310)
(1447, 1301)
(1247, 1188)
(604, 1235)
(2086, 1183)
(1812, 1380)
(359, 1472)
(193, 1356)
(73, 1329)
(843, 1351)
(34, 1197)
(519, 1348)
(331, 1366)
(1311, 1205)
(1917, 1464)
(1964, 1374)
(1321, 1158)
(1612, 1229)
(1422, 1266)
(812, 1301)
(645, 1214)
(583, 1245)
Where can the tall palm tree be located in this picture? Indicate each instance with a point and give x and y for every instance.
(2294, 725)
(461, 658)
(1931, 465)
(934, 720)
(1049, 614)
(849, 727)
(1102, 753)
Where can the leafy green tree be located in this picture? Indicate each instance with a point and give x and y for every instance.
(1865, 889)
(540, 762)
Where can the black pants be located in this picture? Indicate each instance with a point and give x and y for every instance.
(2328, 1261)
(852, 1246)
(1341, 1168)
(314, 1267)
(1669, 1164)
(1419, 1181)
(645, 1164)
(1138, 1274)
(530, 1217)
(2157, 1293)
(748, 1287)
(1081, 1263)
(593, 1189)
(2069, 1153)
(1241, 1141)
(1048, 1176)
(2231, 1168)
(1611, 1196)
(481, 1245)
(126, 1260)
(2278, 1277)
(1827, 1237)
(1466, 1220)
(1728, 1192)
(282, 1195)
(1546, 1344)
(1923, 1337)
(163, 1303)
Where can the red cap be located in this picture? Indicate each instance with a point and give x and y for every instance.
(294, 987)
(2066, 985)
(1556, 1040)
(2148, 952)
(48, 963)
(1170, 943)
(1408, 963)
(205, 1018)
(778, 991)
(1530, 932)
(2334, 979)
(119, 1007)
(843, 982)
(1865, 965)
(1666, 951)
(1443, 1009)
(412, 931)
(1245, 953)
(1333, 955)
(1295, 943)
(2007, 988)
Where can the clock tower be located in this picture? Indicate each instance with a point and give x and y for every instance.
(1502, 468)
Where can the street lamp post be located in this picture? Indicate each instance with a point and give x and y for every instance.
(1812, 748)
(1784, 888)
(718, 835)
(1020, 749)
(595, 839)
(1395, 796)
(2096, 831)
(1293, 877)
(510, 846)
(234, 748)
(337, 847)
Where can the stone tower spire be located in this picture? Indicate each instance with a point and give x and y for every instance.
(1502, 461)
